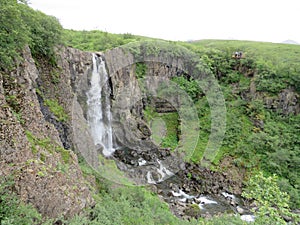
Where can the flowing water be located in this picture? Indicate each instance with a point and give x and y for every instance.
(99, 112)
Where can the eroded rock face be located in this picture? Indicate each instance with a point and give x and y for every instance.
(31, 148)
(287, 102)
(130, 94)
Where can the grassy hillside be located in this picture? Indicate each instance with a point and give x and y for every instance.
(258, 137)
(22, 26)
(277, 63)
(97, 40)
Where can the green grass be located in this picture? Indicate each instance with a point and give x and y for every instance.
(170, 121)
(57, 110)
(277, 63)
(48, 145)
(140, 70)
(172, 127)
(12, 210)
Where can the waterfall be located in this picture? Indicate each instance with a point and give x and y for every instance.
(99, 114)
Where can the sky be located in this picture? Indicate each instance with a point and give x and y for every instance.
(256, 20)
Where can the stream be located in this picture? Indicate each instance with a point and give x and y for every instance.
(187, 197)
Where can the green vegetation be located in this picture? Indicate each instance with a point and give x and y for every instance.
(108, 168)
(172, 123)
(20, 26)
(57, 109)
(13, 33)
(47, 145)
(96, 40)
(190, 86)
(140, 70)
(204, 125)
(257, 137)
(44, 33)
(12, 210)
(273, 204)
(276, 66)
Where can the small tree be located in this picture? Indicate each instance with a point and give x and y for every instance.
(273, 204)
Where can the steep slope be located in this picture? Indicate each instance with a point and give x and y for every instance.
(32, 144)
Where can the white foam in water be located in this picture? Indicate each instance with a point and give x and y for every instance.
(176, 194)
(204, 200)
(182, 200)
(150, 179)
(248, 218)
(227, 195)
(183, 195)
(163, 171)
(99, 114)
(142, 162)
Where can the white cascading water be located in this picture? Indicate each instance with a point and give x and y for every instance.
(162, 173)
(99, 113)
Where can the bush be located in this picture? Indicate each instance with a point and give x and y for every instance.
(140, 70)
(13, 33)
(44, 32)
(129, 205)
(12, 210)
(273, 205)
(190, 86)
(20, 25)
(96, 40)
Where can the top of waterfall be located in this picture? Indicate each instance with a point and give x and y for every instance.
(99, 54)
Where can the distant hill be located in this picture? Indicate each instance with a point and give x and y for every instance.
(290, 42)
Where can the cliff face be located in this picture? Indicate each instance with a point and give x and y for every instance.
(35, 144)
(132, 88)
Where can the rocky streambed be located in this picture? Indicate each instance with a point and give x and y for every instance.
(192, 191)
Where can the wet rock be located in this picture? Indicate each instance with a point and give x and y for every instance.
(233, 203)
(134, 154)
(240, 210)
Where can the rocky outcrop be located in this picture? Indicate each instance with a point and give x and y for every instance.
(46, 174)
(286, 102)
(131, 90)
